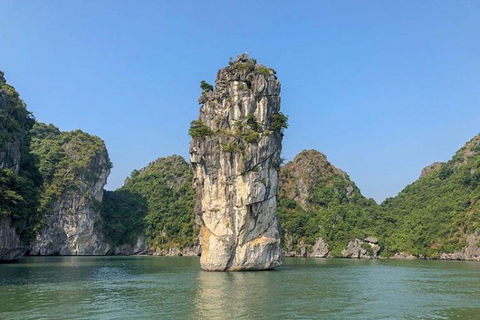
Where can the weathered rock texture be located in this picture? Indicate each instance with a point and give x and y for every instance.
(235, 157)
(299, 177)
(139, 247)
(72, 193)
(436, 166)
(368, 248)
(470, 252)
(192, 251)
(320, 249)
(11, 247)
(13, 130)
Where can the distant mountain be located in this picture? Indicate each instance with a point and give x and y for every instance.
(52, 201)
(320, 206)
(440, 212)
(322, 211)
(157, 202)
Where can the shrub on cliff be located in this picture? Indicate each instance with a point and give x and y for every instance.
(198, 129)
(318, 200)
(278, 121)
(205, 86)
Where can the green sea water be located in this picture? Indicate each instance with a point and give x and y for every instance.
(175, 288)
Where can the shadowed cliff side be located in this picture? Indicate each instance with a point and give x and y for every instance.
(153, 211)
(20, 180)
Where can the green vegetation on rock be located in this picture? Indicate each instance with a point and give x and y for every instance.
(20, 181)
(205, 86)
(123, 214)
(317, 200)
(198, 129)
(156, 200)
(66, 159)
(435, 213)
(278, 122)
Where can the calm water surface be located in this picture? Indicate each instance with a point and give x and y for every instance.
(175, 288)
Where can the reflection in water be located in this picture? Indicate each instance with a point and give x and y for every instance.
(240, 295)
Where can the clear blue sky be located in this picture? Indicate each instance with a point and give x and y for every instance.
(383, 88)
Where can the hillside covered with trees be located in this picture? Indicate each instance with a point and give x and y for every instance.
(156, 201)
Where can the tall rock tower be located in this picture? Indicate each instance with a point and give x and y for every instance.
(235, 157)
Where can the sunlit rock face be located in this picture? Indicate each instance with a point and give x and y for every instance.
(73, 224)
(235, 157)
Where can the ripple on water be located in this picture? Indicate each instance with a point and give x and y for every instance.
(175, 288)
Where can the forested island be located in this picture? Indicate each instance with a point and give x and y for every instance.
(53, 202)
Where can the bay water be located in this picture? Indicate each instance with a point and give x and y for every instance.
(146, 287)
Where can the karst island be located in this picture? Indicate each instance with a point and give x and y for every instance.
(235, 158)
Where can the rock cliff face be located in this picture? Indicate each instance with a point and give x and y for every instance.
(235, 157)
(11, 247)
(75, 167)
(15, 122)
(128, 249)
(470, 252)
(11, 136)
(434, 167)
(366, 249)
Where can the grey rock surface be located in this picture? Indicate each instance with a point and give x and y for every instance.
(235, 169)
(11, 247)
(320, 249)
(177, 252)
(127, 249)
(471, 251)
(72, 225)
(367, 249)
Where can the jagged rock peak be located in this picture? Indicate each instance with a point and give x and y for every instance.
(261, 80)
(299, 176)
(235, 157)
(431, 168)
(314, 160)
(470, 149)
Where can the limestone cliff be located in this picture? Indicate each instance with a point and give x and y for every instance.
(75, 167)
(14, 118)
(235, 157)
(19, 181)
